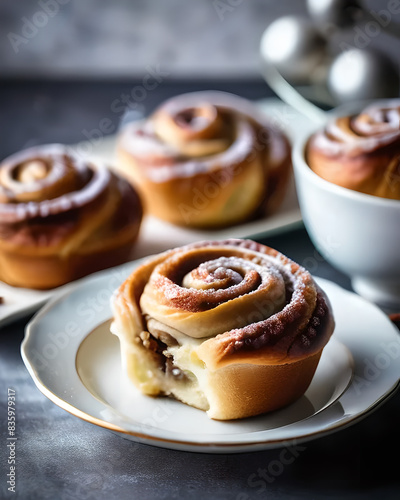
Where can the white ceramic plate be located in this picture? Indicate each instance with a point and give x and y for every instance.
(75, 362)
(156, 235)
(20, 301)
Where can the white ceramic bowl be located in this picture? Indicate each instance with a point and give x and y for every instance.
(357, 233)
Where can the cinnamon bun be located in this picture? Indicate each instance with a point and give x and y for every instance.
(62, 217)
(362, 151)
(230, 327)
(206, 159)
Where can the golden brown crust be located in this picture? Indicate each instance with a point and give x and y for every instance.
(361, 152)
(245, 390)
(205, 160)
(62, 218)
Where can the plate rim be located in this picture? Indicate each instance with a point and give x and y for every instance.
(180, 444)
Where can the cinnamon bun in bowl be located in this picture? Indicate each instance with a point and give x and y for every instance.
(348, 182)
(231, 327)
(62, 217)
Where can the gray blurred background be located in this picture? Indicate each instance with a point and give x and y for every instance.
(66, 65)
(121, 38)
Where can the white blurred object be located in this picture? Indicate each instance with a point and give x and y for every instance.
(362, 74)
(294, 46)
(299, 58)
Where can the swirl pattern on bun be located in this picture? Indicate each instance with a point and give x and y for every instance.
(361, 152)
(206, 159)
(232, 327)
(62, 217)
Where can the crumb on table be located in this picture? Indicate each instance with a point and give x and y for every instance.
(396, 319)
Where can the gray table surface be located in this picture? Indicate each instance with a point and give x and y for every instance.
(61, 457)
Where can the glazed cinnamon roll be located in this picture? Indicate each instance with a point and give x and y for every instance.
(62, 218)
(206, 159)
(230, 327)
(361, 152)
